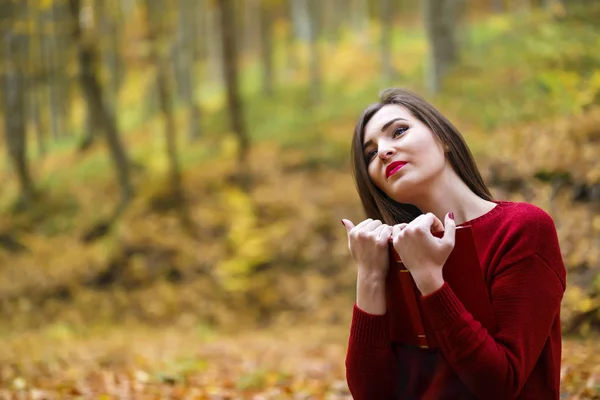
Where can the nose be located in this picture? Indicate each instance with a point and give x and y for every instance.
(386, 152)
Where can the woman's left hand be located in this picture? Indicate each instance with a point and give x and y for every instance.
(422, 253)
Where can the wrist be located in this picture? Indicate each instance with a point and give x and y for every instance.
(370, 294)
(429, 283)
(371, 277)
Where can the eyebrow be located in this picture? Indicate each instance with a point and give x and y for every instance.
(383, 128)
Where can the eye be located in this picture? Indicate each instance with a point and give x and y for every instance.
(399, 131)
(369, 156)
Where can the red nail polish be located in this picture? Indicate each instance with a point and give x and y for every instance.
(451, 215)
(343, 223)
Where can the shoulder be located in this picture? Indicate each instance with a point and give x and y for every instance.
(526, 218)
(528, 230)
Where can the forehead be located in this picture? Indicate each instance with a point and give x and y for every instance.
(383, 116)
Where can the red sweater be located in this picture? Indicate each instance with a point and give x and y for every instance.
(521, 260)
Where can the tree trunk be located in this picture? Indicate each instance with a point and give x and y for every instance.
(215, 52)
(251, 26)
(292, 61)
(36, 116)
(111, 43)
(230, 64)
(443, 52)
(59, 83)
(360, 19)
(100, 114)
(266, 48)
(36, 81)
(14, 118)
(186, 60)
(315, 56)
(165, 101)
(385, 39)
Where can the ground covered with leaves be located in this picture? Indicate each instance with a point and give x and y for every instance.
(197, 363)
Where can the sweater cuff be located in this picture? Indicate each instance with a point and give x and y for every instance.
(443, 307)
(370, 328)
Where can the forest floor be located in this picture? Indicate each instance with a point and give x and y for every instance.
(299, 362)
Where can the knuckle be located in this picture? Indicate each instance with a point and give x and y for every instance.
(381, 244)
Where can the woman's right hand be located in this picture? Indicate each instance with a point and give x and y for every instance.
(368, 245)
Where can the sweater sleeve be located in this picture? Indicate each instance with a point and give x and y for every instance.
(526, 298)
(370, 362)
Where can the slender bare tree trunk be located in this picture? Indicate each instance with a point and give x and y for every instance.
(266, 48)
(14, 118)
(36, 81)
(214, 50)
(292, 60)
(385, 40)
(155, 25)
(234, 101)
(101, 116)
(315, 54)
(443, 53)
(186, 58)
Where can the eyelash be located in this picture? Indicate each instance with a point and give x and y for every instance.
(372, 153)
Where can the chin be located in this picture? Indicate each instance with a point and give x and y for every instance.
(406, 190)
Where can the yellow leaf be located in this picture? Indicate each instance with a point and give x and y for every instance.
(45, 4)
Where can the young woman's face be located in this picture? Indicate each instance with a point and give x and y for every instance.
(395, 138)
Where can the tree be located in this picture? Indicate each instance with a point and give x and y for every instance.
(185, 59)
(156, 25)
(440, 20)
(385, 40)
(315, 54)
(266, 46)
(101, 116)
(14, 118)
(234, 102)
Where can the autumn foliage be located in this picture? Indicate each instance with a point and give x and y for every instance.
(249, 294)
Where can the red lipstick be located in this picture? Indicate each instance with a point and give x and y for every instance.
(394, 167)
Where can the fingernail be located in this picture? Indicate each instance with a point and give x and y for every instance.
(343, 222)
(451, 215)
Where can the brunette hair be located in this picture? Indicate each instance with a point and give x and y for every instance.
(377, 204)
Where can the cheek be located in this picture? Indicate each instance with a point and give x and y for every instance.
(372, 170)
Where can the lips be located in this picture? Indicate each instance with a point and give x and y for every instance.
(394, 167)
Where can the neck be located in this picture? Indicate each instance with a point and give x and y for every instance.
(450, 194)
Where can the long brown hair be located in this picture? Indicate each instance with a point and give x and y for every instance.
(376, 203)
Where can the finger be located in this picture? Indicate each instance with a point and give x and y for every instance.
(364, 223)
(437, 225)
(417, 220)
(450, 231)
(431, 223)
(390, 233)
(348, 225)
(385, 233)
(377, 231)
(372, 225)
(396, 229)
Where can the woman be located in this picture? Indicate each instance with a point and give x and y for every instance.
(413, 169)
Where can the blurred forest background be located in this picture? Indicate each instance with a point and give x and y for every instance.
(174, 173)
